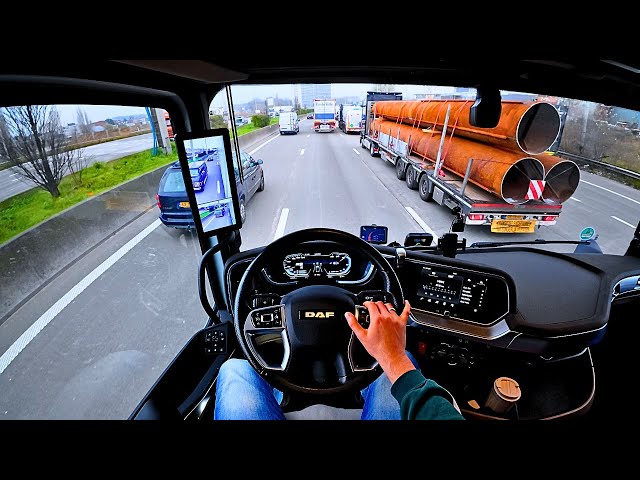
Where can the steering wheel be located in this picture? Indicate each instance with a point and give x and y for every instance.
(321, 355)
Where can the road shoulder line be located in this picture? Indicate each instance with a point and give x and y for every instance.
(24, 339)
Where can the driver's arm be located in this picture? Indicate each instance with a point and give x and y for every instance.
(385, 340)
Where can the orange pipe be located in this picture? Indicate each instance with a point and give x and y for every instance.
(530, 127)
(504, 173)
(562, 178)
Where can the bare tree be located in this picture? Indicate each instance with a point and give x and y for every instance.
(34, 143)
(84, 124)
(77, 166)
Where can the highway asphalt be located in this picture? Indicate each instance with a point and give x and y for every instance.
(12, 183)
(97, 338)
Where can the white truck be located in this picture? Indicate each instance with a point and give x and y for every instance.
(324, 116)
(350, 118)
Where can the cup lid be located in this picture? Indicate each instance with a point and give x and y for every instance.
(507, 389)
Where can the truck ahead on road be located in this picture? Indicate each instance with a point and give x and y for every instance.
(350, 118)
(477, 206)
(167, 119)
(324, 116)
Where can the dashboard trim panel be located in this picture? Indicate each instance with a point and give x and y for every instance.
(496, 330)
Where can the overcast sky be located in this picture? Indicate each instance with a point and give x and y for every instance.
(241, 94)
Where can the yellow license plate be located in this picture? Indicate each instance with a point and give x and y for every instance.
(184, 204)
(513, 226)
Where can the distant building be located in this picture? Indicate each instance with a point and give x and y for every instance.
(100, 126)
(309, 92)
(71, 130)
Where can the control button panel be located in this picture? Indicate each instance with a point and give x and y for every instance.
(362, 315)
(375, 296)
(215, 342)
(267, 317)
(264, 300)
(452, 355)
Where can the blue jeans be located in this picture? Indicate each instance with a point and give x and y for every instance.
(242, 394)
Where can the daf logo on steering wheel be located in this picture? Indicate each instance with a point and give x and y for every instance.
(314, 314)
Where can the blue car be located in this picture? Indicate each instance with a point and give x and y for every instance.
(173, 202)
(199, 174)
(175, 210)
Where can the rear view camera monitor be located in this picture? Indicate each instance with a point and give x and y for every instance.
(206, 160)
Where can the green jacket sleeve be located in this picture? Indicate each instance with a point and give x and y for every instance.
(422, 399)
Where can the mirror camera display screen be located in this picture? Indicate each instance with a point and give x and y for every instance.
(209, 172)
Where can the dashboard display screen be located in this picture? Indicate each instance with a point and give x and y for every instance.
(306, 265)
(456, 293)
(441, 285)
(374, 233)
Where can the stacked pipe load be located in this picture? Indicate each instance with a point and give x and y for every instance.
(505, 158)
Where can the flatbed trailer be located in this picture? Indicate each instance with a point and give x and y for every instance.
(478, 206)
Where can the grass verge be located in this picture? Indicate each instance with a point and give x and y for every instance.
(5, 165)
(27, 209)
(250, 127)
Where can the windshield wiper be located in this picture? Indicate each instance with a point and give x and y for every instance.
(538, 241)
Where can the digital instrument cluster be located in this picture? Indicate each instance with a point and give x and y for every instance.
(317, 265)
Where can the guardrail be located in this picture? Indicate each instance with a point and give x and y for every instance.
(607, 166)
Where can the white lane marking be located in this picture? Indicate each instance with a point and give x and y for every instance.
(260, 146)
(218, 187)
(622, 221)
(611, 191)
(282, 223)
(420, 222)
(308, 136)
(14, 174)
(357, 152)
(302, 152)
(14, 179)
(575, 199)
(46, 317)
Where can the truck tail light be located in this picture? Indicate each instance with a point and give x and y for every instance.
(548, 218)
(476, 216)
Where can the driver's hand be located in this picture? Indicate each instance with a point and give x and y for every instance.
(386, 337)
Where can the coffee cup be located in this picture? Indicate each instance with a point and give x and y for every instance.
(504, 393)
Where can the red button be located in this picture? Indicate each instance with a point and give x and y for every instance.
(422, 348)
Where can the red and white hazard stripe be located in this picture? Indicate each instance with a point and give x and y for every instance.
(535, 189)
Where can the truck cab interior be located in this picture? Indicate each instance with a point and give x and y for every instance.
(561, 324)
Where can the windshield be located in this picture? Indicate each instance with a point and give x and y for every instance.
(562, 173)
(98, 267)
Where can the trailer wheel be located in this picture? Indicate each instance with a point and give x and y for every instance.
(401, 169)
(372, 150)
(410, 178)
(423, 188)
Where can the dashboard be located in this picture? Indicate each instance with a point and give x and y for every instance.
(523, 298)
(524, 313)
